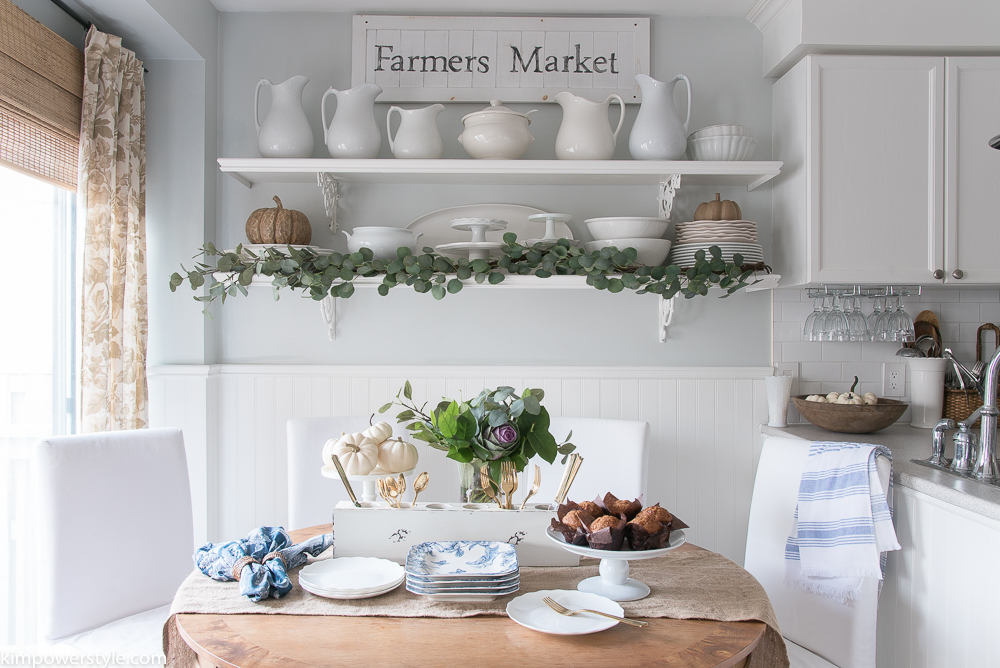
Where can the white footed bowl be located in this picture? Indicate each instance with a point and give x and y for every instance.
(627, 227)
(722, 147)
(652, 252)
(720, 130)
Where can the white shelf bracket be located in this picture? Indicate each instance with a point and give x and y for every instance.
(328, 309)
(666, 316)
(331, 194)
(668, 190)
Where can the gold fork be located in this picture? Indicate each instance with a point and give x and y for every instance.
(487, 484)
(566, 611)
(383, 490)
(508, 481)
(535, 487)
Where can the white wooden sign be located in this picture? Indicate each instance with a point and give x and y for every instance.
(514, 59)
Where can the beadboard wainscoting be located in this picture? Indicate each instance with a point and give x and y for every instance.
(704, 438)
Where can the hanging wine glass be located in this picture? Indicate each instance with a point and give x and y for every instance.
(837, 328)
(878, 303)
(856, 322)
(819, 325)
(807, 328)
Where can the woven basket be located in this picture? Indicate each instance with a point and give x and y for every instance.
(960, 404)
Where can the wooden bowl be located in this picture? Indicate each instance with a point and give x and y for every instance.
(851, 419)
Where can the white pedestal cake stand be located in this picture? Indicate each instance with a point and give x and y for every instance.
(614, 582)
(368, 492)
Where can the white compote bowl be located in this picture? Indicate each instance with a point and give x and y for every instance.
(614, 581)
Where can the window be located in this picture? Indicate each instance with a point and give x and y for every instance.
(38, 369)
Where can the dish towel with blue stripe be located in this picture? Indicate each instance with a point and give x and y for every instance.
(843, 522)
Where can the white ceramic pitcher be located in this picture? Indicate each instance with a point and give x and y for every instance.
(585, 133)
(417, 136)
(658, 133)
(352, 133)
(285, 132)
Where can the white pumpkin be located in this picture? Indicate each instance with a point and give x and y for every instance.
(356, 452)
(396, 456)
(378, 432)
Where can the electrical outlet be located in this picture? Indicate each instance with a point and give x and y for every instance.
(893, 380)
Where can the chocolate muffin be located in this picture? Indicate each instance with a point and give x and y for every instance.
(578, 518)
(592, 508)
(604, 522)
(661, 515)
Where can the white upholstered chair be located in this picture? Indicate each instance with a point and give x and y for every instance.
(116, 537)
(615, 458)
(819, 632)
(311, 497)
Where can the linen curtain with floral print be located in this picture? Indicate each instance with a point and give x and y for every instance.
(113, 186)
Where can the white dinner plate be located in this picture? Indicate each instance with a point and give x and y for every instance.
(463, 597)
(351, 574)
(462, 558)
(474, 588)
(349, 592)
(342, 596)
(424, 580)
(436, 226)
(531, 611)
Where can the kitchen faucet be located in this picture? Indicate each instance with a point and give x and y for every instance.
(985, 468)
(972, 458)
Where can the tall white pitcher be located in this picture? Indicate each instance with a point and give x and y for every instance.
(658, 133)
(585, 133)
(417, 135)
(352, 133)
(285, 132)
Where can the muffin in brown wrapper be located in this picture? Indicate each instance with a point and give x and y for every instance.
(565, 508)
(616, 506)
(578, 518)
(641, 534)
(654, 512)
(610, 537)
(571, 535)
(593, 509)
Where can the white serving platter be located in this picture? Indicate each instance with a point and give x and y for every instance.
(437, 230)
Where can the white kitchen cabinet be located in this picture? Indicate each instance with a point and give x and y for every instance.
(887, 174)
(973, 171)
(860, 196)
(938, 604)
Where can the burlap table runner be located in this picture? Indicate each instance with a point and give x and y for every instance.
(685, 584)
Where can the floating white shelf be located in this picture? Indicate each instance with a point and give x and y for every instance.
(250, 171)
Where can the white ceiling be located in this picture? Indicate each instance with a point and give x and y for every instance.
(534, 7)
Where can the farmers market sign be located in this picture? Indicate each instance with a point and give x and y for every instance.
(514, 59)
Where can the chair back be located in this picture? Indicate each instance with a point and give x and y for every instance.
(843, 634)
(615, 458)
(116, 534)
(311, 497)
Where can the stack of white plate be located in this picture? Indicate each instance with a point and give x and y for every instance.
(738, 231)
(462, 570)
(351, 577)
(684, 254)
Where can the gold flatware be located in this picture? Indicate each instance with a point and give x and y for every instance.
(347, 483)
(569, 475)
(392, 491)
(566, 611)
(508, 481)
(401, 487)
(419, 485)
(535, 487)
(383, 490)
(487, 484)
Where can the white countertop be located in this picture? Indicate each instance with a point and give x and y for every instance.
(908, 443)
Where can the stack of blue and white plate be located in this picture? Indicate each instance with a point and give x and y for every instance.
(462, 570)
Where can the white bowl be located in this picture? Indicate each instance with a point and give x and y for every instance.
(623, 227)
(652, 252)
(723, 147)
(719, 130)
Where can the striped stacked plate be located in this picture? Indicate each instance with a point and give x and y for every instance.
(684, 254)
(738, 231)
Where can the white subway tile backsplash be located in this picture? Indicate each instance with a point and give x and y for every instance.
(787, 331)
(989, 313)
(776, 352)
(802, 351)
(810, 387)
(788, 295)
(940, 295)
(795, 311)
(820, 371)
(980, 294)
(875, 351)
(959, 312)
(841, 351)
(865, 371)
(950, 332)
(967, 332)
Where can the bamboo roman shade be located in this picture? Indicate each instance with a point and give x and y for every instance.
(41, 90)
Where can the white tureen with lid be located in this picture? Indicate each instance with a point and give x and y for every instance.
(496, 133)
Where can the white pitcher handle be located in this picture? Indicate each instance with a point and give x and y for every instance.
(688, 83)
(256, 99)
(388, 130)
(322, 110)
(621, 118)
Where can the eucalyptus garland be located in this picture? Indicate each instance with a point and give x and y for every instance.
(333, 274)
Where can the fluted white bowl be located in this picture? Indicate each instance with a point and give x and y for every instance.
(626, 227)
(652, 252)
(719, 130)
(723, 147)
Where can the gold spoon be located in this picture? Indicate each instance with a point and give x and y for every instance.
(419, 485)
(392, 490)
(401, 486)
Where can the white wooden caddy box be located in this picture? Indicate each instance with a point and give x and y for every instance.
(377, 530)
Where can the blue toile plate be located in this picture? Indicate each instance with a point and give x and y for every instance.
(461, 558)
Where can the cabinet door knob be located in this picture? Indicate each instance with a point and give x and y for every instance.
(958, 273)
(938, 273)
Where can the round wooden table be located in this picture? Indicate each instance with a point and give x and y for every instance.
(290, 641)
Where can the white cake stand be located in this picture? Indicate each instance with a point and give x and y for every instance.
(614, 581)
(368, 491)
(550, 220)
(478, 226)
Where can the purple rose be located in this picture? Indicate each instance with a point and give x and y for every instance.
(500, 441)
